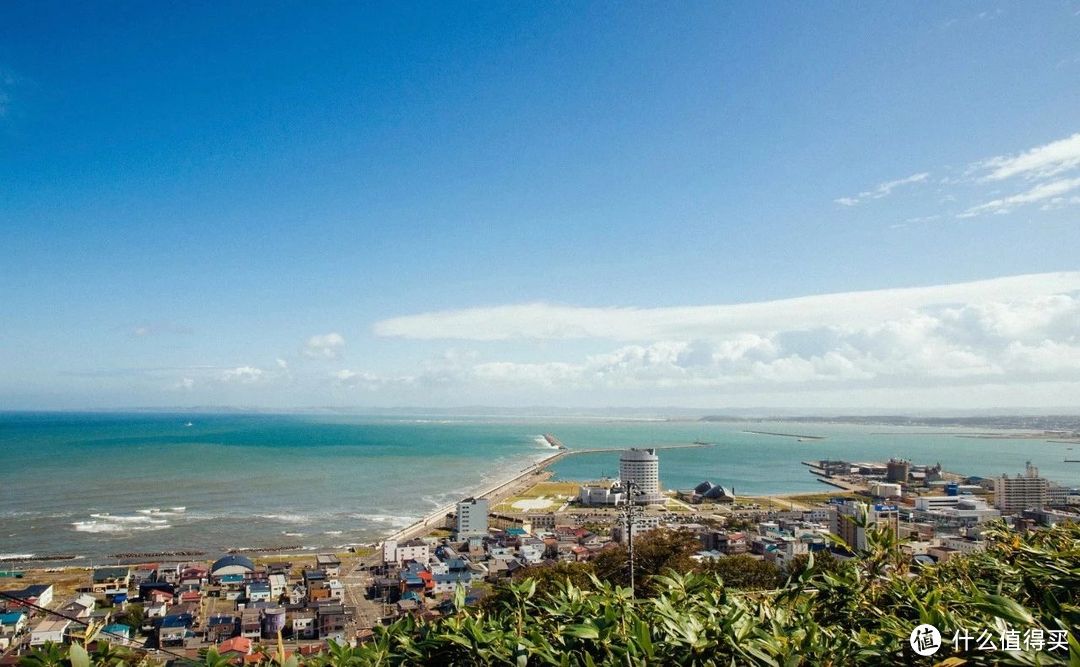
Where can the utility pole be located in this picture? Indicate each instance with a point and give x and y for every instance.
(630, 512)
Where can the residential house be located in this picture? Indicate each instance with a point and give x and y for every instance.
(237, 647)
(40, 595)
(220, 627)
(14, 621)
(81, 606)
(330, 617)
(259, 591)
(302, 622)
(50, 630)
(110, 580)
(330, 564)
(278, 584)
(175, 628)
(251, 623)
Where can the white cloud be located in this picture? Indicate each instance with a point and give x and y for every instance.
(1044, 192)
(282, 364)
(361, 380)
(243, 375)
(325, 346)
(1023, 340)
(882, 189)
(538, 321)
(185, 383)
(1023, 330)
(1039, 162)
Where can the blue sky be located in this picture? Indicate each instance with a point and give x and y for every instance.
(331, 204)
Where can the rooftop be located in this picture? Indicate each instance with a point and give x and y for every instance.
(103, 574)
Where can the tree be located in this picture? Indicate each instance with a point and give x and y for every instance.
(824, 563)
(134, 616)
(743, 572)
(48, 655)
(655, 552)
(108, 655)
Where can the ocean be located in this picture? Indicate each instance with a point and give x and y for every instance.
(96, 485)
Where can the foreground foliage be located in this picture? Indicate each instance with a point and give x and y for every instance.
(858, 612)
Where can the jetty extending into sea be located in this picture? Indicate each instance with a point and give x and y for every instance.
(516, 484)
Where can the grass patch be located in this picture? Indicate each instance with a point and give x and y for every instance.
(820, 498)
(557, 492)
(549, 489)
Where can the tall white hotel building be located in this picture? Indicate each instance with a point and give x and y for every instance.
(642, 467)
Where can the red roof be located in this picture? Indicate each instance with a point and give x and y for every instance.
(235, 645)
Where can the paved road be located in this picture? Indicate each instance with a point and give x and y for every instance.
(356, 582)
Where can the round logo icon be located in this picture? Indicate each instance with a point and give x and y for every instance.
(925, 639)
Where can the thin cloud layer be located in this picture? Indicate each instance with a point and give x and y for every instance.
(1039, 162)
(1051, 192)
(1046, 173)
(882, 189)
(540, 321)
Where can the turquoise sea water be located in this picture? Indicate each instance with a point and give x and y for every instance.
(101, 484)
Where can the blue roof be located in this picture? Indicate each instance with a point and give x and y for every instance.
(117, 629)
(259, 586)
(516, 531)
(231, 560)
(177, 621)
(231, 578)
(12, 618)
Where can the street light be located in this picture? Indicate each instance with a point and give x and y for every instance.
(630, 511)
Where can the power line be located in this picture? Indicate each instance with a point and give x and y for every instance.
(81, 622)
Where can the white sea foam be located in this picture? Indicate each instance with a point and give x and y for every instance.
(105, 516)
(333, 532)
(102, 525)
(287, 518)
(287, 533)
(393, 520)
(16, 556)
(543, 442)
(157, 511)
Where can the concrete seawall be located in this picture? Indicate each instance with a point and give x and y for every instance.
(494, 493)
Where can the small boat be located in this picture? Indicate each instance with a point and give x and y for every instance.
(189, 424)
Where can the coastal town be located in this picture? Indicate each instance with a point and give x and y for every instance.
(243, 604)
